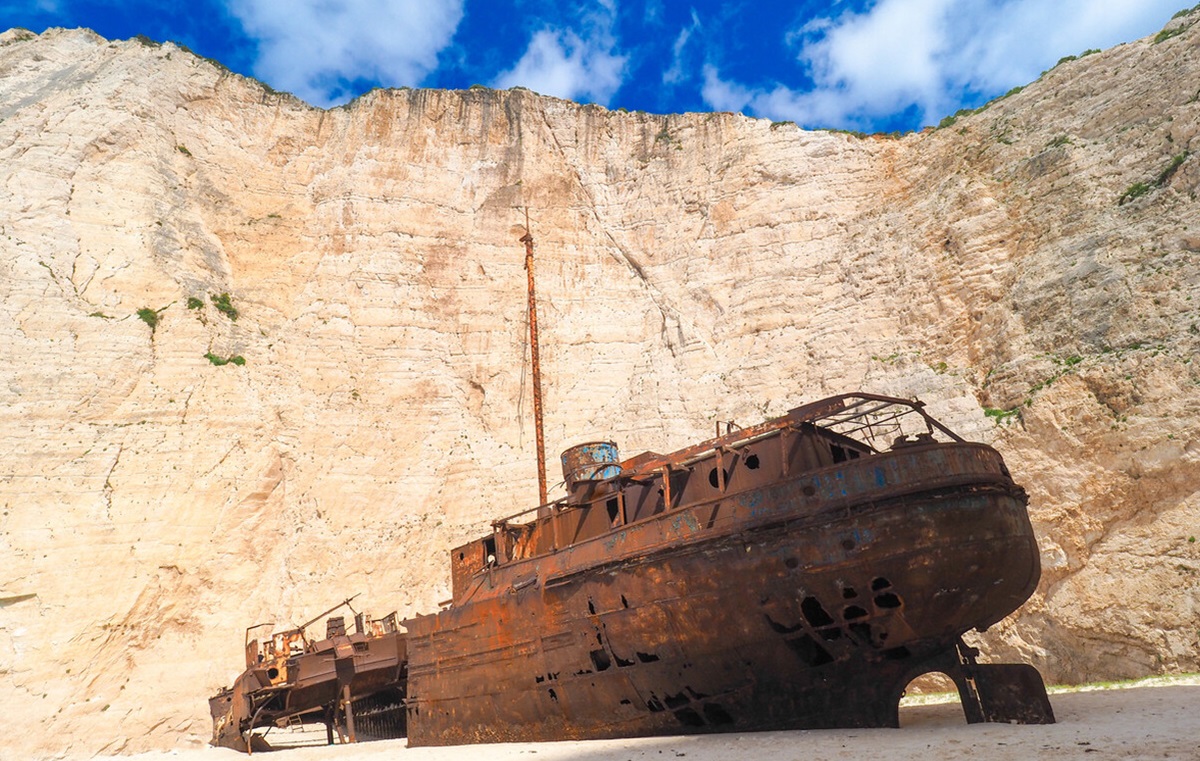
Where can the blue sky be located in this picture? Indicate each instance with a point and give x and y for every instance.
(872, 65)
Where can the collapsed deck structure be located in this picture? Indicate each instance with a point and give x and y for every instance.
(352, 681)
(799, 573)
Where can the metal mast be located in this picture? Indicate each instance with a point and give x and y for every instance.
(527, 239)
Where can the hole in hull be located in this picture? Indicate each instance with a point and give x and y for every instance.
(861, 631)
(887, 600)
(689, 718)
(676, 701)
(715, 714)
(814, 612)
(809, 652)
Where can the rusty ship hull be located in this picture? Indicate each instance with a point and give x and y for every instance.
(795, 574)
(786, 576)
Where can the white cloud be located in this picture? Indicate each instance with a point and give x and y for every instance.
(723, 95)
(933, 54)
(654, 12)
(559, 62)
(314, 48)
(676, 73)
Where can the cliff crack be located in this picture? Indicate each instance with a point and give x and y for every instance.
(669, 316)
(108, 487)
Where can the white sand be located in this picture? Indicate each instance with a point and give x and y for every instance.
(1139, 723)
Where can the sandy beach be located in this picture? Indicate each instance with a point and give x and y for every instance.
(1140, 722)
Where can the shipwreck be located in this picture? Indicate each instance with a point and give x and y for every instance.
(799, 573)
(794, 574)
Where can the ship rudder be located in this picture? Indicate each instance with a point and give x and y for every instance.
(1007, 693)
(1004, 693)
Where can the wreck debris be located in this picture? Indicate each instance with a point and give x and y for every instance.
(351, 682)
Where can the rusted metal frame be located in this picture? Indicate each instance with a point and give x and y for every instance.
(499, 538)
(666, 485)
(520, 584)
(885, 401)
(873, 433)
(784, 449)
(348, 712)
(252, 628)
(248, 737)
(693, 454)
(857, 419)
(828, 407)
(933, 423)
(541, 511)
(721, 469)
(732, 445)
(315, 619)
(730, 427)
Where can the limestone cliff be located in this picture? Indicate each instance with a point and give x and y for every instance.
(1031, 271)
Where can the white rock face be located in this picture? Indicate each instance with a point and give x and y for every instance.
(691, 268)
